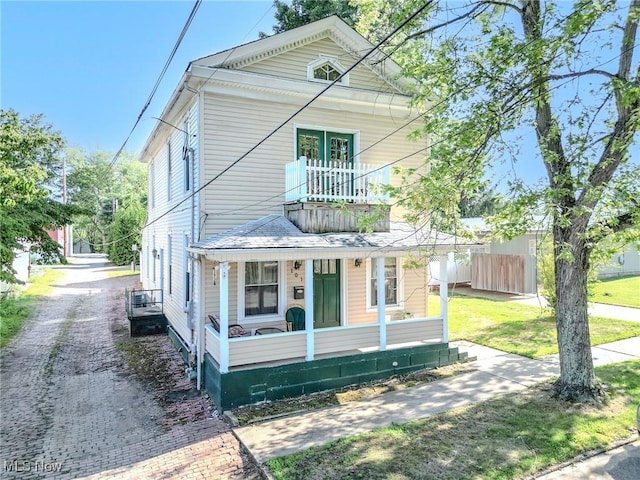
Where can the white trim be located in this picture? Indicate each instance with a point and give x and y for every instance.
(344, 292)
(399, 287)
(282, 296)
(325, 129)
(327, 60)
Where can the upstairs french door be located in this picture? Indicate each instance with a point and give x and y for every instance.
(328, 152)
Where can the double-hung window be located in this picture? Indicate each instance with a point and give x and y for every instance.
(261, 288)
(390, 282)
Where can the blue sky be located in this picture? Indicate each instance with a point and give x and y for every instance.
(89, 66)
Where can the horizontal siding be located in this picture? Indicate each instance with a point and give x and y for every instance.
(212, 343)
(176, 223)
(293, 65)
(409, 331)
(345, 339)
(415, 295)
(265, 348)
(255, 186)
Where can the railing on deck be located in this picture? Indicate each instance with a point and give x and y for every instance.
(319, 181)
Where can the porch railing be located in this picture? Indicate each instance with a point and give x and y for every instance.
(291, 346)
(319, 181)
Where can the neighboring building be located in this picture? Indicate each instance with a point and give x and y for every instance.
(624, 263)
(246, 175)
(21, 266)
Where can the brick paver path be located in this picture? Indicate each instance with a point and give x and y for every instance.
(71, 409)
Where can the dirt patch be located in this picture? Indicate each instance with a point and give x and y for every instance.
(265, 411)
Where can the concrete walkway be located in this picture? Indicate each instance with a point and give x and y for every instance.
(497, 373)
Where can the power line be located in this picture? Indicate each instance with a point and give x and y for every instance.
(297, 112)
(160, 77)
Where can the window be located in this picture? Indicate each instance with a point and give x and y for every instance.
(390, 282)
(326, 72)
(326, 68)
(261, 288)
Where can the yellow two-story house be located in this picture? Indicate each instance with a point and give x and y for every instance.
(264, 163)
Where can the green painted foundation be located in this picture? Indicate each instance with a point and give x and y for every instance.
(180, 345)
(244, 387)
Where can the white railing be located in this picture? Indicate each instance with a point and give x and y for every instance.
(318, 181)
(291, 346)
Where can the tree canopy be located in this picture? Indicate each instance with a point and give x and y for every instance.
(102, 190)
(30, 163)
(302, 12)
(501, 83)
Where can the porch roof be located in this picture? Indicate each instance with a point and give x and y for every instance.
(275, 237)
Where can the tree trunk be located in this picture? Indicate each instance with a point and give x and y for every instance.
(577, 380)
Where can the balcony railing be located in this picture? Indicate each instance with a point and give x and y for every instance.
(319, 181)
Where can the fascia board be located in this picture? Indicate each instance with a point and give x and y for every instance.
(260, 87)
(249, 255)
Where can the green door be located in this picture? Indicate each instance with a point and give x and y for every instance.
(326, 293)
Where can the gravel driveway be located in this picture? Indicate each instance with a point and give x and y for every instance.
(72, 406)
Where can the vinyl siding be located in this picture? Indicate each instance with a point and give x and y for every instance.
(176, 224)
(266, 348)
(408, 332)
(293, 65)
(333, 340)
(255, 185)
(415, 295)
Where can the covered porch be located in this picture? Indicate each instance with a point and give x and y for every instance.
(371, 338)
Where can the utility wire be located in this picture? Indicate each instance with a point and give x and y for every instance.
(297, 112)
(160, 77)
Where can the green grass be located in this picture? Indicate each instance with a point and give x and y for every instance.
(521, 329)
(14, 311)
(510, 437)
(623, 291)
(121, 273)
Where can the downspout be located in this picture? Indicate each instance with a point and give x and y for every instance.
(200, 346)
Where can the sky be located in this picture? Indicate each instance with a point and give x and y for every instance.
(89, 66)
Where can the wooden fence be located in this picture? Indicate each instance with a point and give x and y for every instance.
(498, 273)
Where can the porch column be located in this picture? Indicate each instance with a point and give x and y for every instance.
(382, 324)
(224, 317)
(308, 308)
(444, 292)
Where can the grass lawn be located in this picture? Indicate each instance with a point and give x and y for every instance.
(15, 311)
(521, 329)
(510, 437)
(623, 291)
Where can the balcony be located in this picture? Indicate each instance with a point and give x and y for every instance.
(319, 181)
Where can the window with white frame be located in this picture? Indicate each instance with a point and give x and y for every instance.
(327, 69)
(392, 283)
(261, 285)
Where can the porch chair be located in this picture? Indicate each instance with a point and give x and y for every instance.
(234, 330)
(295, 319)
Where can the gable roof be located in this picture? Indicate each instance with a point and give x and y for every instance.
(275, 237)
(332, 27)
